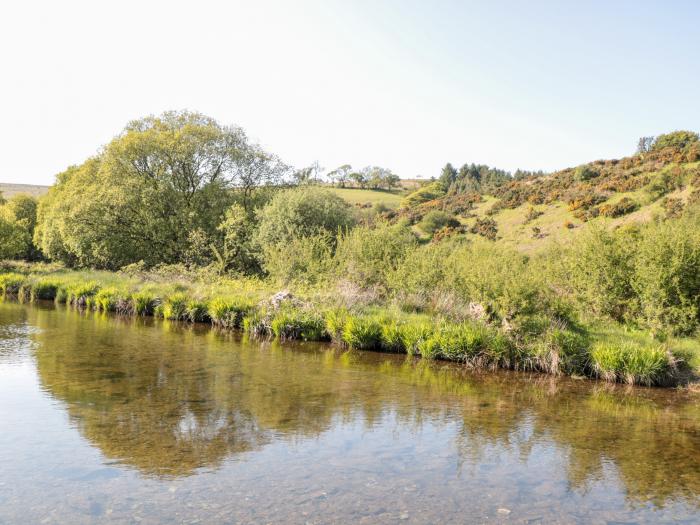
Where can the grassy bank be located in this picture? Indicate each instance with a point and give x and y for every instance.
(534, 343)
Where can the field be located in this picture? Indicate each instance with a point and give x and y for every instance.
(390, 199)
(10, 190)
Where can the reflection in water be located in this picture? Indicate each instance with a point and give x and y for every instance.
(175, 402)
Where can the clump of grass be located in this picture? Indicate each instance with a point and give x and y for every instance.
(632, 363)
(294, 323)
(80, 294)
(144, 303)
(413, 335)
(560, 350)
(197, 311)
(174, 307)
(335, 320)
(392, 336)
(228, 313)
(10, 283)
(44, 289)
(457, 342)
(362, 333)
(257, 324)
(106, 300)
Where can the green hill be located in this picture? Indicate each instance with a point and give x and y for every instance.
(529, 211)
(10, 190)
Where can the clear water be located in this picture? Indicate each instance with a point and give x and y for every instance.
(110, 420)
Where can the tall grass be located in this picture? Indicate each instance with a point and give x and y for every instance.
(538, 341)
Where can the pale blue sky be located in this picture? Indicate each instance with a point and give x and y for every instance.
(408, 85)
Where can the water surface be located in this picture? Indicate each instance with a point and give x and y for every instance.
(115, 420)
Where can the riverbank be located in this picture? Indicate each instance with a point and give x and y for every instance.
(534, 343)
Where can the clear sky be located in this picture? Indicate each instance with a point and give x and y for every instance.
(408, 85)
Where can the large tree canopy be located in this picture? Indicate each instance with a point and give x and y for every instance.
(163, 182)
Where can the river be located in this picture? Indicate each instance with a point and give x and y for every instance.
(113, 420)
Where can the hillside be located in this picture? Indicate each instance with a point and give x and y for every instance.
(10, 189)
(531, 211)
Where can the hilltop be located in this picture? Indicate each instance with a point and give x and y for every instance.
(8, 189)
(530, 210)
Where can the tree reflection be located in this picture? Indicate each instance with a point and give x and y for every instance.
(168, 400)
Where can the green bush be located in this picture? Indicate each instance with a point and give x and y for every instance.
(436, 220)
(367, 256)
(676, 139)
(302, 212)
(666, 276)
(585, 173)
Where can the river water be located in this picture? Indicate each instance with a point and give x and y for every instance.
(112, 420)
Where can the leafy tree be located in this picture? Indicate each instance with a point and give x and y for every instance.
(676, 139)
(341, 175)
(238, 251)
(13, 237)
(301, 212)
(359, 178)
(22, 209)
(150, 188)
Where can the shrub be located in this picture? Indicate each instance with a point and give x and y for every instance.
(585, 173)
(366, 256)
(620, 208)
(362, 333)
(486, 227)
(302, 212)
(676, 139)
(667, 275)
(300, 260)
(532, 214)
(436, 220)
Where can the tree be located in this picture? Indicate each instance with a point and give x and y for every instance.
(676, 139)
(448, 176)
(23, 210)
(644, 144)
(359, 178)
(237, 252)
(302, 212)
(255, 168)
(341, 175)
(142, 197)
(308, 175)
